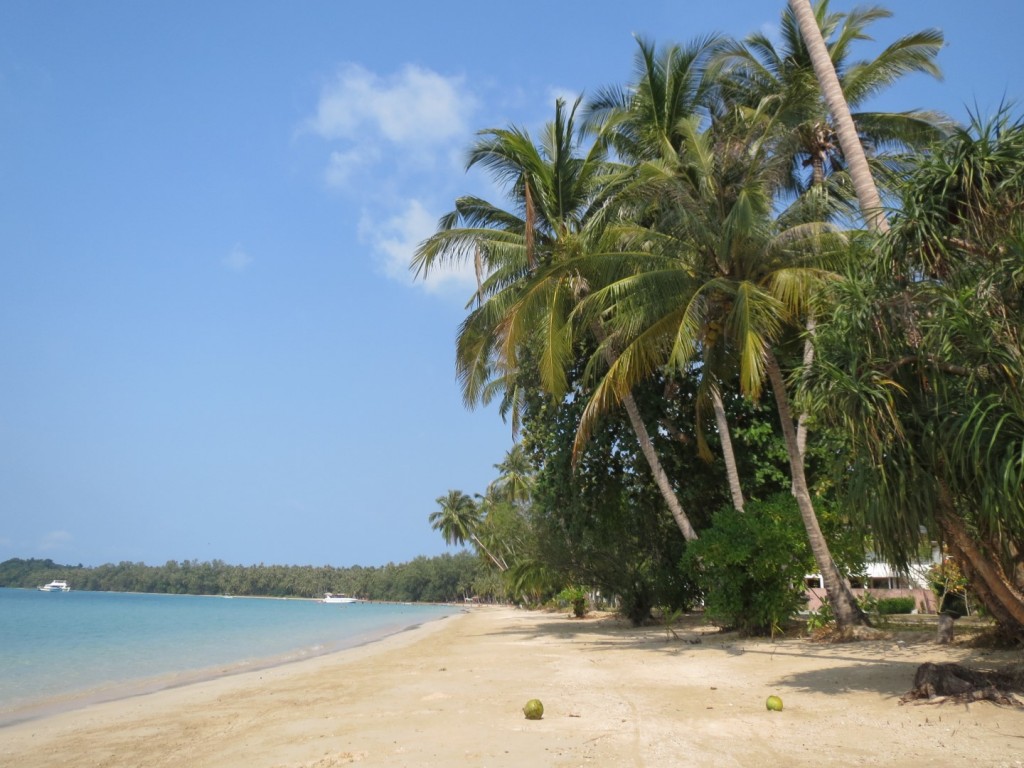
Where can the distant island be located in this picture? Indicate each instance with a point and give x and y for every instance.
(442, 579)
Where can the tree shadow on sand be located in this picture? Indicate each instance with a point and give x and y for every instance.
(885, 666)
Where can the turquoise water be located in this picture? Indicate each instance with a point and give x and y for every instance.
(65, 649)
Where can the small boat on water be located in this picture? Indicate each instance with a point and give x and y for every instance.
(55, 586)
(331, 597)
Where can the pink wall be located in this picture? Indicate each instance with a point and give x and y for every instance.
(926, 602)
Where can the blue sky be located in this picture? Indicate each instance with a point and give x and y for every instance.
(210, 344)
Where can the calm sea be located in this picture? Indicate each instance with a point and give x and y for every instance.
(60, 650)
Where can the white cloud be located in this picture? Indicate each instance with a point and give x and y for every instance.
(237, 259)
(415, 106)
(395, 239)
(341, 166)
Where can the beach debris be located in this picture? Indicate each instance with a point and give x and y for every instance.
(773, 703)
(936, 683)
(533, 709)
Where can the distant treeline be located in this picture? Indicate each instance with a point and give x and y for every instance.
(445, 578)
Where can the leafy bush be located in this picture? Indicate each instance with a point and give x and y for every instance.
(751, 565)
(890, 605)
(820, 618)
(575, 597)
(950, 587)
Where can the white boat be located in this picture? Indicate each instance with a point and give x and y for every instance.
(330, 597)
(55, 586)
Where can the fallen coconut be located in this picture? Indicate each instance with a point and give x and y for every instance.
(773, 703)
(533, 709)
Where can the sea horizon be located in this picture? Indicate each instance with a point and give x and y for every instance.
(65, 650)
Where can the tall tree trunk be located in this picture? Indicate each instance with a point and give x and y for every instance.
(647, 448)
(498, 562)
(849, 141)
(845, 609)
(735, 489)
(987, 577)
(801, 422)
(660, 477)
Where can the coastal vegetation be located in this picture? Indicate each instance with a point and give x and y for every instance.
(442, 579)
(743, 330)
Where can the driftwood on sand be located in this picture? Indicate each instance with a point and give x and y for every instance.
(935, 683)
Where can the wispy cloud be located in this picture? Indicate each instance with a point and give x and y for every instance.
(394, 239)
(405, 123)
(237, 259)
(395, 144)
(396, 148)
(413, 106)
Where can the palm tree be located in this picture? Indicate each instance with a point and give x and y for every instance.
(458, 520)
(515, 479)
(912, 53)
(560, 196)
(642, 122)
(758, 70)
(714, 277)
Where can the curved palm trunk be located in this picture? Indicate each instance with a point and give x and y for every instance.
(847, 613)
(735, 489)
(860, 174)
(498, 562)
(647, 448)
(660, 477)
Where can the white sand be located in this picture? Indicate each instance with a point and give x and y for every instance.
(450, 693)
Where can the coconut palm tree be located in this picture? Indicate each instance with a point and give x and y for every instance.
(515, 479)
(458, 520)
(713, 277)
(559, 195)
(860, 174)
(757, 70)
(642, 122)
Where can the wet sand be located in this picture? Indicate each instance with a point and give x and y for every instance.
(451, 691)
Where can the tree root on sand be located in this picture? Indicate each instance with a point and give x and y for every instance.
(937, 683)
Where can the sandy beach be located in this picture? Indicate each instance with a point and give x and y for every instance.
(451, 692)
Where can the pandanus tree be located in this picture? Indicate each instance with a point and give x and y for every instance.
(558, 193)
(923, 364)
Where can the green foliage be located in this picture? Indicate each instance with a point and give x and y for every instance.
(576, 597)
(669, 618)
(820, 618)
(886, 606)
(752, 564)
(600, 520)
(920, 364)
(949, 584)
(447, 578)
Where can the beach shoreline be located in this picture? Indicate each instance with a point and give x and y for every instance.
(27, 710)
(94, 647)
(450, 692)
